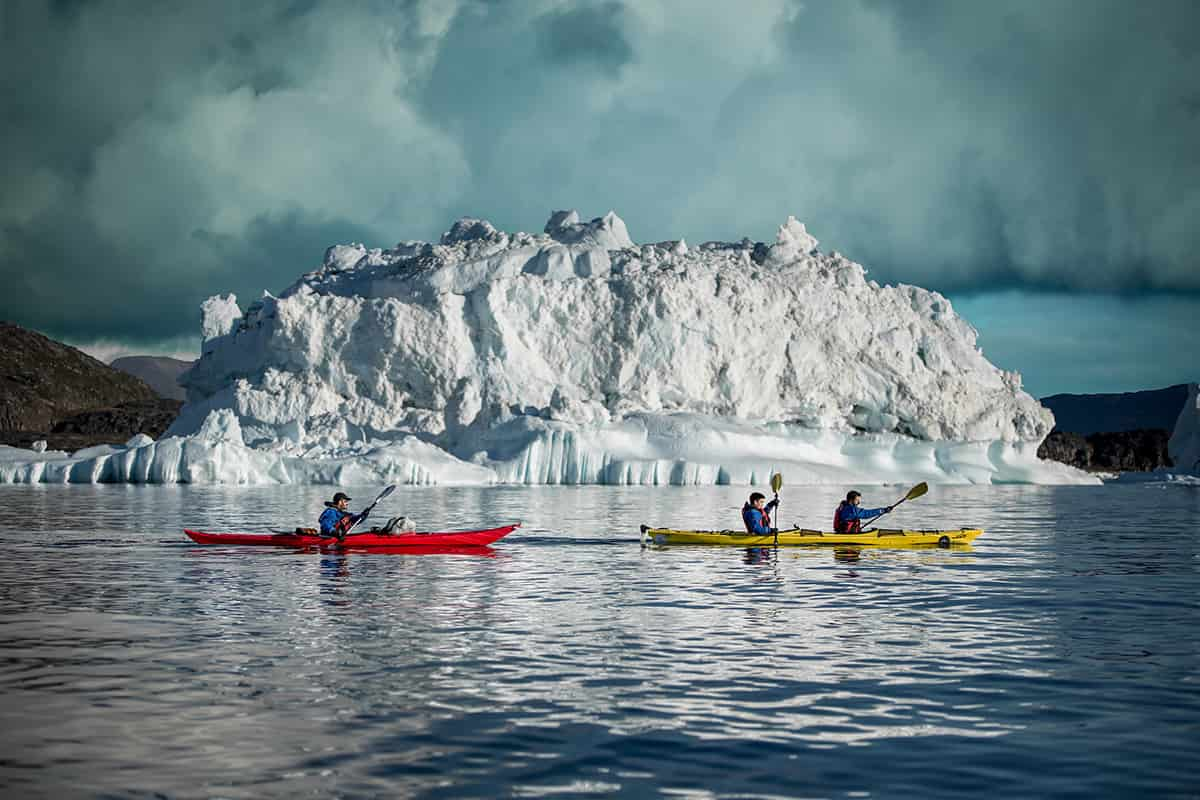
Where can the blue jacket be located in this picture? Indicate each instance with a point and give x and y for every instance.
(847, 514)
(329, 520)
(754, 519)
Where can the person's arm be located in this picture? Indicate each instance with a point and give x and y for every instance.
(346, 522)
(772, 505)
(864, 513)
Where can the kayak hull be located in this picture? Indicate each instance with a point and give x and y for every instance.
(800, 537)
(355, 541)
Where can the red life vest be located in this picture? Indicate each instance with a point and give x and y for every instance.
(843, 525)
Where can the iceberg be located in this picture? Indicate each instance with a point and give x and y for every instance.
(578, 356)
(1184, 444)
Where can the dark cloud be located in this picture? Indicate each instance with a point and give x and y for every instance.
(1041, 144)
(156, 154)
(586, 35)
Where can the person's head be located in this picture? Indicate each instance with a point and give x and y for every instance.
(853, 498)
(757, 499)
(340, 501)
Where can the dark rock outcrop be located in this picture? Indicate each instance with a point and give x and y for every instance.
(151, 419)
(45, 387)
(1123, 451)
(159, 372)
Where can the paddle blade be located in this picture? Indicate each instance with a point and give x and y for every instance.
(776, 482)
(918, 490)
(385, 493)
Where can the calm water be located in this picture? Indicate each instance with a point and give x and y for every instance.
(1060, 657)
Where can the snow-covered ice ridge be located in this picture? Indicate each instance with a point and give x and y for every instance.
(578, 356)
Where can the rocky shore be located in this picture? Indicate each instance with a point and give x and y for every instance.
(1140, 450)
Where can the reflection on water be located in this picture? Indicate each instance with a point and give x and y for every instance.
(1052, 658)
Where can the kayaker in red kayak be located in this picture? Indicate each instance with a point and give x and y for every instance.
(336, 519)
(848, 517)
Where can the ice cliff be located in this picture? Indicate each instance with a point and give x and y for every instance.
(1184, 446)
(578, 356)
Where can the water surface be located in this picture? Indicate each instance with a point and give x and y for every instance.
(1060, 656)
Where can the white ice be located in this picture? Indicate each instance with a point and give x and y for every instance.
(578, 356)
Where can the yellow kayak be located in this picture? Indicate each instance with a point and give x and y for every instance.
(881, 537)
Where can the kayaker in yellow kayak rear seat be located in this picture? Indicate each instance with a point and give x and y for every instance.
(848, 517)
(756, 514)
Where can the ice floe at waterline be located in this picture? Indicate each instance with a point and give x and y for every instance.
(218, 454)
(578, 356)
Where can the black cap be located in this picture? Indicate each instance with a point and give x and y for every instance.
(337, 498)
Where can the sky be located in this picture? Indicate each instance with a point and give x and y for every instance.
(1036, 162)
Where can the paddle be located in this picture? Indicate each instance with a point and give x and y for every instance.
(367, 510)
(776, 485)
(913, 493)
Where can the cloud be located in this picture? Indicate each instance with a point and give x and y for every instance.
(586, 34)
(156, 154)
(220, 150)
(108, 350)
(967, 145)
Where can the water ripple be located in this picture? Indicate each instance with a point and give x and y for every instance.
(1059, 656)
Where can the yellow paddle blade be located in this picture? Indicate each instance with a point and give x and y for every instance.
(918, 490)
(776, 482)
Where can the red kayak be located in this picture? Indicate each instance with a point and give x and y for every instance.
(357, 540)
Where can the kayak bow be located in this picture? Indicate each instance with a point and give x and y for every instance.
(882, 537)
(478, 538)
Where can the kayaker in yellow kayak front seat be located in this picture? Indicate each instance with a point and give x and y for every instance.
(848, 517)
(756, 514)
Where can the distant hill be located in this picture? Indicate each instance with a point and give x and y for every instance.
(160, 372)
(43, 381)
(1086, 414)
(46, 385)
